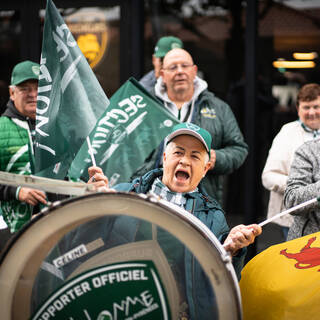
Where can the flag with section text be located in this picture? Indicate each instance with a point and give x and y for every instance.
(283, 281)
(133, 125)
(70, 99)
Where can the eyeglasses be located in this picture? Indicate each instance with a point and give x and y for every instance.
(26, 89)
(174, 67)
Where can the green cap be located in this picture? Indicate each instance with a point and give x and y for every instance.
(165, 44)
(192, 130)
(24, 71)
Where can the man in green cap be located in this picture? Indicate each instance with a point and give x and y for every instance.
(186, 160)
(187, 97)
(164, 45)
(17, 129)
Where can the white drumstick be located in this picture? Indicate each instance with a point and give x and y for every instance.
(91, 152)
(283, 213)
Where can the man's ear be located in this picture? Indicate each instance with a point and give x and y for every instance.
(161, 73)
(195, 70)
(11, 93)
(154, 60)
(164, 156)
(206, 168)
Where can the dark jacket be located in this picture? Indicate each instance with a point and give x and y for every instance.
(149, 80)
(208, 211)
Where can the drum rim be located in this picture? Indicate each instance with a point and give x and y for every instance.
(164, 205)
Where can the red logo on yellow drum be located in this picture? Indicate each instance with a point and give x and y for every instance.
(307, 257)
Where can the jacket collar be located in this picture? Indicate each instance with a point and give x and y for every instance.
(143, 185)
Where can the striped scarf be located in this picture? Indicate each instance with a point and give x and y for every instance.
(161, 190)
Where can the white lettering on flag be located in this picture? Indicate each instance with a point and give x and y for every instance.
(60, 43)
(69, 74)
(44, 72)
(41, 121)
(43, 147)
(131, 127)
(46, 100)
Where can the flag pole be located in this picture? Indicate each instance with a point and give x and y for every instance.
(283, 213)
(91, 152)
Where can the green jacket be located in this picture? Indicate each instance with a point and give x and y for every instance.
(15, 137)
(214, 115)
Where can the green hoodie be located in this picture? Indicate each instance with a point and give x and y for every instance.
(14, 158)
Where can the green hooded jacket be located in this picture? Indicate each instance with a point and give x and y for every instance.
(15, 137)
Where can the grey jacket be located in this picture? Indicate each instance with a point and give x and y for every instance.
(149, 80)
(304, 184)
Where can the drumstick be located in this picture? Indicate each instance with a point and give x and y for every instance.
(91, 152)
(283, 213)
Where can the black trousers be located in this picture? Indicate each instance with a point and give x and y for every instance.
(5, 235)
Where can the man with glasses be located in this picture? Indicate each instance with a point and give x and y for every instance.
(17, 129)
(186, 96)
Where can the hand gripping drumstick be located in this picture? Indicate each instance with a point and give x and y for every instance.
(283, 213)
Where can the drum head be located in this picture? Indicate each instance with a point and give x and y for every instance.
(117, 256)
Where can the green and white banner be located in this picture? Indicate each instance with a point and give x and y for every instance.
(133, 125)
(70, 99)
(131, 290)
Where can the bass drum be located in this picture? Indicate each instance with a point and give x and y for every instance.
(117, 256)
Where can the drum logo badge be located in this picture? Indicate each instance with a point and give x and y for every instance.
(128, 290)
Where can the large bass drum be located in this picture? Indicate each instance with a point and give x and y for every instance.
(117, 256)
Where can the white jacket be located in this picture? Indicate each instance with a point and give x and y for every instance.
(276, 170)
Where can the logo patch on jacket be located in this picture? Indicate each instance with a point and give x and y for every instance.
(208, 112)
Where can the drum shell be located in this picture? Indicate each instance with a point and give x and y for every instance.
(27, 250)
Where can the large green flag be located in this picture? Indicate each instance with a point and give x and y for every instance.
(70, 99)
(133, 125)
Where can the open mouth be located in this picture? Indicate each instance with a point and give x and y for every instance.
(182, 175)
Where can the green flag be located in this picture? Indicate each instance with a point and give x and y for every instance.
(133, 125)
(70, 99)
